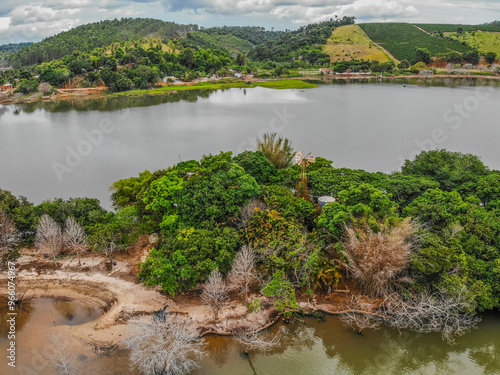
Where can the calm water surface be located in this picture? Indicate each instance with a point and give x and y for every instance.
(371, 126)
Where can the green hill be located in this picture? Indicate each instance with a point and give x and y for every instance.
(228, 43)
(254, 34)
(351, 43)
(98, 34)
(302, 44)
(401, 39)
(484, 42)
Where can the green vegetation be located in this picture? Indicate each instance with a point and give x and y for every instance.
(254, 34)
(227, 43)
(7, 50)
(436, 28)
(401, 40)
(199, 86)
(434, 227)
(134, 54)
(303, 44)
(351, 43)
(285, 84)
(221, 85)
(85, 38)
(484, 42)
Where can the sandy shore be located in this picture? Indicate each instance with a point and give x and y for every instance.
(121, 298)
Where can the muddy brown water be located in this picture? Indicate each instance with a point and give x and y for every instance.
(307, 347)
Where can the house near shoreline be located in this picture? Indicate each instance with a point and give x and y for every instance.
(6, 87)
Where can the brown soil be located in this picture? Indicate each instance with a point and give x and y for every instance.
(118, 293)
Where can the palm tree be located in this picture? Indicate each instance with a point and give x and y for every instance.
(277, 151)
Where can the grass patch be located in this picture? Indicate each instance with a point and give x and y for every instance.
(351, 43)
(220, 85)
(199, 86)
(285, 84)
(484, 42)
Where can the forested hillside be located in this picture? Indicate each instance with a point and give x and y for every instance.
(227, 42)
(302, 44)
(99, 34)
(254, 34)
(7, 50)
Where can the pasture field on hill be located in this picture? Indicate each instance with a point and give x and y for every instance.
(351, 43)
(401, 39)
(483, 41)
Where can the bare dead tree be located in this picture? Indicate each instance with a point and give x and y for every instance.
(452, 315)
(45, 88)
(376, 259)
(248, 211)
(8, 237)
(243, 273)
(214, 292)
(75, 237)
(109, 251)
(48, 236)
(359, 321)
(59, 354)
(165, 348)
(258, 341)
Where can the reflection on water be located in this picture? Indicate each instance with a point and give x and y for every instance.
(372, 126)
(35, 320)
(328, 348)
(110, 104)
(306, 347)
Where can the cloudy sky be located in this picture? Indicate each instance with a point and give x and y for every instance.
(32, 20)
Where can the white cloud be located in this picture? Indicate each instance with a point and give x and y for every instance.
(33, 14)
(380, 9)
(4, 23)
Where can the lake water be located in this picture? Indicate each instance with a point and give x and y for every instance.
(77, 149)
(307, 347)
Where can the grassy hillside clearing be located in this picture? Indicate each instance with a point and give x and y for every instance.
(351, 43)
(401, 39)
(484, 42)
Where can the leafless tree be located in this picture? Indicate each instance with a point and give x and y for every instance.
(48, 236)
(248, 211)
(258, 341)
(109, 251)
(243, 273)
(8, 237)
(45, 88)
(59, 354)
(214, 292)
(376, 259)
(359, 321)
(452, 315)
(75, 237)
(165, 348)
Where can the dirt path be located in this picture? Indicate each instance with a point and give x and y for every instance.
(388, 53)
(423, 30)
